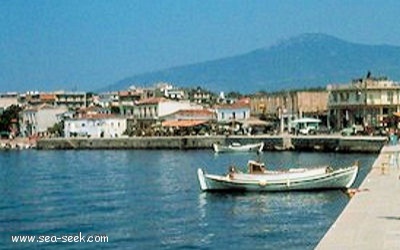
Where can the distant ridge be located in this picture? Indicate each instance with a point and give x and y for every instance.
(304, 61)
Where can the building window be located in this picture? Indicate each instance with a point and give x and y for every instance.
(371, 97)
(358, 95)
(390, 97)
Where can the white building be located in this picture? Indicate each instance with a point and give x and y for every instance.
(107, 100)
(96, 126)
(154, 108)
(238, 111)
(366, 101)
(7, 100)
(37, 120)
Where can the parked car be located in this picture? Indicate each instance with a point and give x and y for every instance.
(347, 131)
(309, 130)
(353, 130)
(379, 131)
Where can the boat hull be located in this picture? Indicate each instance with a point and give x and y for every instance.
(338, 179)
(242, 148)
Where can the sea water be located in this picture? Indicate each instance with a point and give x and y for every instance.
(150, 199)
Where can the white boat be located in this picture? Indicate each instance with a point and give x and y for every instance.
(259, 179)
(237, 147)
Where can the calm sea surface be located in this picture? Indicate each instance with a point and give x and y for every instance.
(151, 200)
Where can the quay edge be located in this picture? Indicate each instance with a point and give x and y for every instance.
(328, 143)
(370, 220)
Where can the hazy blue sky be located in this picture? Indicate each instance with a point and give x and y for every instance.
(67, 44)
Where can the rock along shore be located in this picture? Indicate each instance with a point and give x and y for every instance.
(327, 143)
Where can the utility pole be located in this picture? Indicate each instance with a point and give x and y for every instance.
(365, 102)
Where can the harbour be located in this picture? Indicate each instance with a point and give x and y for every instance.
(200, 125)
(150, 199)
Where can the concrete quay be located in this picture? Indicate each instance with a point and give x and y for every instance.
(327, 143)
(371, 219)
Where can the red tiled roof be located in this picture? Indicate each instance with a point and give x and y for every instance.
(90, 109)
(128, 93)
(194, 112)
(242, 103)
(48, 97)
(153, 100)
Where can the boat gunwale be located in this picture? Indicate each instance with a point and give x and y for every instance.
(338, 173)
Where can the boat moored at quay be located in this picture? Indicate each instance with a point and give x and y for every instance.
(237, 147)
(258, 178)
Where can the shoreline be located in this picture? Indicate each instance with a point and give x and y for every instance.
(322, 143)
(17, 143)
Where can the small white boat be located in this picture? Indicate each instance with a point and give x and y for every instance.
(259, 179)
(237, 147)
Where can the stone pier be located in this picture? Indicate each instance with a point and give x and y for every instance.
(328, 143)
(371, 219)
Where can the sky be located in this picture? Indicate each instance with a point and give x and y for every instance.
(85, 45)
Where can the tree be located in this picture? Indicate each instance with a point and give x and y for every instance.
(234, 95)
(57, 129)
(10, 116)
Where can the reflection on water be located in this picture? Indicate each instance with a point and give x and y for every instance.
(152, 200)
(284, 220)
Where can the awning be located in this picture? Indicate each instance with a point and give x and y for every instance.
(257, 122)
(183, 123)
(306, 120)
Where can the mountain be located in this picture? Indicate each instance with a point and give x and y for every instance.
(308, 60)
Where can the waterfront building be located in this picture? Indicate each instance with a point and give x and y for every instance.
(237, 111)
(72, 100)
(283, 107)
(191, 114)
(30, 98)
(202, 97)
(149, 111)
(92, 111)
(95, 126)
(230, 117)
(367, 102)
(187, 122)
(154, 108)
(47, 98)
(128, 99)
(107, 99)
(36, 120)
(7, 100)
(175, 94)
